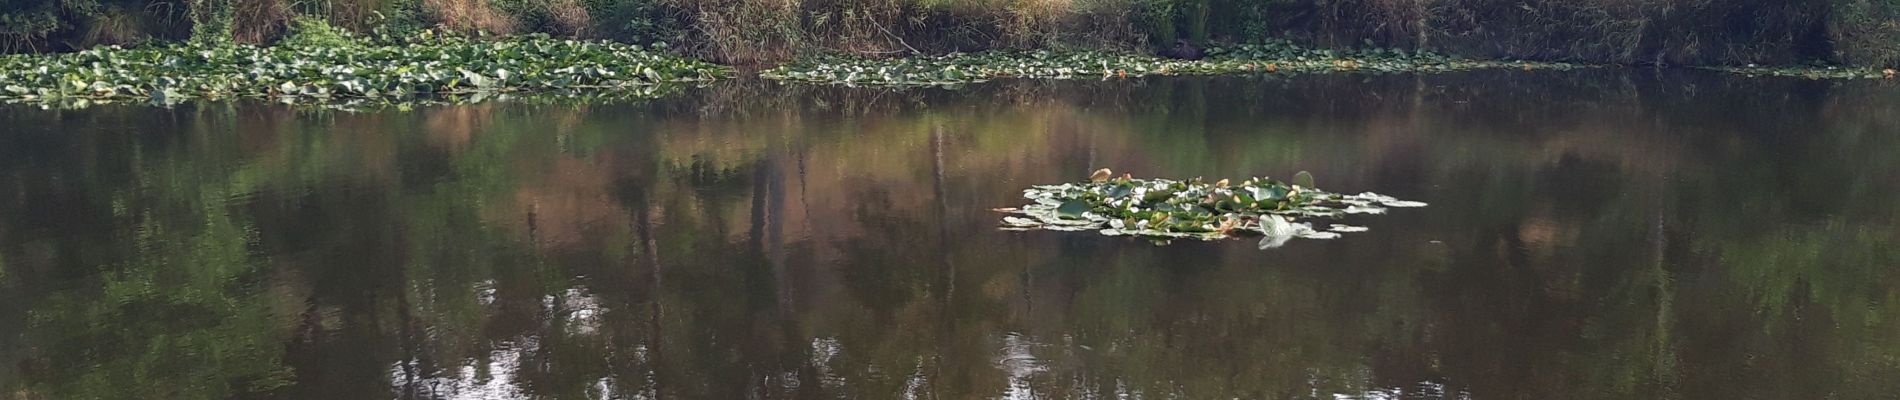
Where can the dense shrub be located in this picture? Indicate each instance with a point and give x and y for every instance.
(1866, 32)
(313, 32)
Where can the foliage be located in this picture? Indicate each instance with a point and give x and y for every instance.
(23, 27)
(429, 65)
(634, 21)
(1194, 209)
(1866, 32)
(314, 33)
(1812, 72)
(1271, 57)
(212, 21)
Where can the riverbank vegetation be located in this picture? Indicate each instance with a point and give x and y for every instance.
(374, 50)
(321, 64)
(1812, 71)
(1270, 57)
(1677, 32)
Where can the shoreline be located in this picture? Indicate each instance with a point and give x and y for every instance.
(458, 69)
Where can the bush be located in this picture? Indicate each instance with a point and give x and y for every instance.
(312, 32)
(1866, 32)
(635, 21)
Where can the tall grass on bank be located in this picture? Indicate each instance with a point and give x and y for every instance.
(1863, 32)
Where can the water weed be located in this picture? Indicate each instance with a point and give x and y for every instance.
(1273, 57)
(1811, 72)
(1165, 209)
(391, 70)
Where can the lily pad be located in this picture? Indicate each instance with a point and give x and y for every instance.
(1165, 209)
(1270, 57)
(388, 70)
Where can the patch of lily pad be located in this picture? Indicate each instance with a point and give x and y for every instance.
(1821, 72)
(390, 71)
(1163, 209)
(1267, 58)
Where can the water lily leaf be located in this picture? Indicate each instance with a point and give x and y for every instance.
(1355, 209)
(1318, 235)
(477, 79)
(1021, 222)
(1274, 242)
(1166, 209)
(1274, 225)
(1072, 209)
(1304, 179)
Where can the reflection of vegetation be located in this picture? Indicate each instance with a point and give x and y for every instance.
(167, 324)
(1610, 234)
(176, 309)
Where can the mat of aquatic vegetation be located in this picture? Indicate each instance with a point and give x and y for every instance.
(1165, 209)
(397, 70)
(1812, 72)
(565, 97)
(1275, 57)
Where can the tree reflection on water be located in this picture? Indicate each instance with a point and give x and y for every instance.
(1601, 234)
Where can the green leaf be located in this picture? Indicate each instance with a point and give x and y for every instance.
(1304, 179)
(1072, 209)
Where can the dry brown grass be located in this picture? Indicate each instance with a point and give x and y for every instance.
(1067, 23)
(743, 31)
(116, 25)
(469, 16)
(1867, 32)
(754, 31)
(569, 17)
(258, 21)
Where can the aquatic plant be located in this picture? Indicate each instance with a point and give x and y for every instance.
(1165, 209)
(1811, 72)
(404, 70)
(1271, 57)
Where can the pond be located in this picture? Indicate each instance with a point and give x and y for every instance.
(1600, 234)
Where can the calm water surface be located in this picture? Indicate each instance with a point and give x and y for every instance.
(1592, 235)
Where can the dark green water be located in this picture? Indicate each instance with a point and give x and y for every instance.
(1591, 235)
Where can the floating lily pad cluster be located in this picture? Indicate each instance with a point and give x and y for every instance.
(1275, 57)
(1812, 72)
(1194, 209)
(443, 65)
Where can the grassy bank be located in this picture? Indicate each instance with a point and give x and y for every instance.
(1691, 32)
